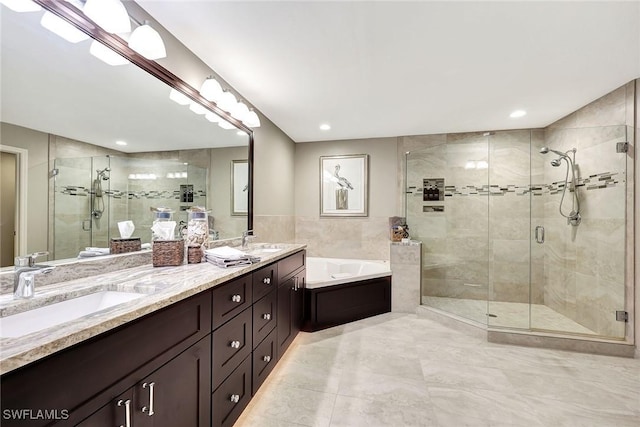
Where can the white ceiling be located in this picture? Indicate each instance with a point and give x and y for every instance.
(375, 68)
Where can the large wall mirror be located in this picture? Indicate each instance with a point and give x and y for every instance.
(63, 113)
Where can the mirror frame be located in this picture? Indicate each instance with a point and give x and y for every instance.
(75, 17)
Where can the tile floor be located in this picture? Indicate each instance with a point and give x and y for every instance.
(399, 370)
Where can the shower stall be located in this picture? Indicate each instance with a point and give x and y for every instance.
(93, 194)
(531, 229)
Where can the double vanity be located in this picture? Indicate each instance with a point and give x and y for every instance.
(171, 346)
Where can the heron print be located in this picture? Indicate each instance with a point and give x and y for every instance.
(342, 193)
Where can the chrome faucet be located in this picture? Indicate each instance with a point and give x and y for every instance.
(25, 271)
(246, 237)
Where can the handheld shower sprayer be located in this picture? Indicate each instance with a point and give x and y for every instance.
(573, 217)
(98, 202)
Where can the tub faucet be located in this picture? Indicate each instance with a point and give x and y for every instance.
(246, 237)
(25, 271)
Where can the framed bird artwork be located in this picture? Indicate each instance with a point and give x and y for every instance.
(344, 185)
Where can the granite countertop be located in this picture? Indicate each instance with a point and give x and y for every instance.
(161, 286)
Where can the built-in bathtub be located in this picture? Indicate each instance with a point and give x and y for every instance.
(339, 291)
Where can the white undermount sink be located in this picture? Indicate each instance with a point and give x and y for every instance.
(20, 324)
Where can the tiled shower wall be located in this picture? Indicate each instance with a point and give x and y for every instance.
(584, 266)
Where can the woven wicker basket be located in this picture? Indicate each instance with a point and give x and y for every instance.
(120, 246)
(168, 252)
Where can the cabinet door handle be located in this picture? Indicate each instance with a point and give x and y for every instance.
(149, 410)
(236, 298)
(127, 412)
(235, 398)
(266, 316)
(266, 280)
(235, 344)
(266, 359)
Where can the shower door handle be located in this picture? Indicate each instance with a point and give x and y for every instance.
(540, 234)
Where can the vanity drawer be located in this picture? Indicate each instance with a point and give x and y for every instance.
(264, 281)
(231, 344)
(264, 360)
(290, 264)
(230, 399)
(230, 299)
(264, 317)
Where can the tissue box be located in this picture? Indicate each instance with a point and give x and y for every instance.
(168, 252)
(120, 246)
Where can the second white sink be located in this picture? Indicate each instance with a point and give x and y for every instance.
(51, 315)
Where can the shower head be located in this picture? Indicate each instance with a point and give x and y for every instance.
(103, 173)
(556, 162)
(545, 150)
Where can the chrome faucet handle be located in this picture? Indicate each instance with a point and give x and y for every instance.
(25, 286)
(28, 260)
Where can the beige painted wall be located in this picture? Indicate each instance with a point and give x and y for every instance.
(366, 237)
(36, 143)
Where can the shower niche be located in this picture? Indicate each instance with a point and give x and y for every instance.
(93, 194)
(432, 189)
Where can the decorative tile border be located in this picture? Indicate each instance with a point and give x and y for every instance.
(592, 182)
(117, 194)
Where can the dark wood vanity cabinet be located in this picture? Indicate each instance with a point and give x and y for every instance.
(176, 394)
(84, 378)
(195, 363)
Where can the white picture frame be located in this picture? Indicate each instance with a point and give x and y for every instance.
(344, 186)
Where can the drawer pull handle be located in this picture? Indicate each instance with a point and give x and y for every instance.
(127, 412)
(236, 298)
(266, 280)
(235, 398)
(267, 359)
(235, 344)
(149, 411)
(266, 316)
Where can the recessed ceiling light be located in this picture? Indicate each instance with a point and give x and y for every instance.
(325, 126)
(518, 113)
(121, 143)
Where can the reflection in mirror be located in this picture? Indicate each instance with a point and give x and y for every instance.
(69, 112)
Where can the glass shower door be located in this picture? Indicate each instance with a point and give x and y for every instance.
(72, 207)
(447, 209)
(578, 265)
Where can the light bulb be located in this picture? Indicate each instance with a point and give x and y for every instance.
(62, 28)
(211, 90)
(21, 5)
(197, 108)
(179, 97)
(240, 111)
(105, 54)
(252, 120)
(147, 42)
(227, 101)
(111, 15)
(226, 125)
